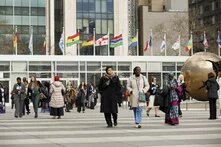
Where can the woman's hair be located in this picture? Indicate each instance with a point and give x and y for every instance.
(33, 82)
(152, 78)
(56, 78)
(108, 67)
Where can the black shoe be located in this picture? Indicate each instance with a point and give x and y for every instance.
(115, 123)
(16, 116)
(109, 126)
(157, 115)
(59, 117)
(28, 112)
(36, 115)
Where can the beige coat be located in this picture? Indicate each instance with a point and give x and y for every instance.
(57, 100)
(136, 84)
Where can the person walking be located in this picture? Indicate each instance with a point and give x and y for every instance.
(81, 97)
(57, 100)
(172, 114)
(26, 101)
(181, 92)
(34, 92)
(136, 84)
(109, 87)
(19, 96)
(212, 88)
(219, 92)
(153, 99)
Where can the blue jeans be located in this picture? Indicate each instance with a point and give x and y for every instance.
(137, 114)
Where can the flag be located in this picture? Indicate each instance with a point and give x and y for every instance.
(44, 44)
(61, 43)
(134, 42)
(15, 40)
(102, 41)
(30, 45)
(189, 44)
(116, 41)
(218, 40)
(74, 39)
(205, 42)
(176, 45)
(89, 42)
(148, 44)
(163, 44)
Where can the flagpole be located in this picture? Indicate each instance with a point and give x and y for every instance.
(64, 41)
(31, 40)
(179, 44)
(218, 44)
(137, 42)
(16, 47)
(78, 45)
(151, 38)
(108, 45)
(94, 38)
(191, 36)
(204, 36)
(165, 43)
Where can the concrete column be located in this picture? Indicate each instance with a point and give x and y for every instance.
(70, 27)
(121, 25)
(50, 27)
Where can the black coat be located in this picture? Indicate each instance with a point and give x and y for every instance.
(109, 88)
(212, 88)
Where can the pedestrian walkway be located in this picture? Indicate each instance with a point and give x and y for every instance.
(89, 129)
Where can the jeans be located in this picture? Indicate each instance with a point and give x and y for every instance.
(137, 114)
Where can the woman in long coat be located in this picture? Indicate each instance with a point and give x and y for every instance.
(135, 84)
(109, 88)
(57, 100)
(172, 114)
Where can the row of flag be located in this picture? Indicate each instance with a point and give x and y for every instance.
(114, 42)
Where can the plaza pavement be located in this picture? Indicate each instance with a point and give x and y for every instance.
(89, 130)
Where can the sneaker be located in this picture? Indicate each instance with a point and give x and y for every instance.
(59, 117)
(115, 123)
(109, 126)
(138, 126)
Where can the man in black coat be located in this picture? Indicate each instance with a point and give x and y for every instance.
(109, 88)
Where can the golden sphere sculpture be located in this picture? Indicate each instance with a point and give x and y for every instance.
(195, 71)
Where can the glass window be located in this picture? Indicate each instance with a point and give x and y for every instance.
(124, 74)
(91, 6)
(111, 26)
(19, 66)
(104, 26)
(34, 3)
(154, 66)
(17, 3)
(67, 66)
(124, 66)
(103, 6)
(82, 66)
(17, 20)
(2, 10)
(98, 26)
(110, 6)
(25, 3)
(4, 66)
(34, 11)
(2, 3)
(93, 66)
(79, 23)
(98, 5)
(25, 11)
(68, 75)
(9, 10)
(41, 20)
(18, 11)
(85, 6)
(168, 66)
(41, 3)
(41, 11)
(9, 3)
(40, 75)
(79, 6)
(34, 20)
(93, 78)
(40, 66)
(85, 23)
(179, 66)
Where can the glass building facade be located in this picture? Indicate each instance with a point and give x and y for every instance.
(22, 14)
(96, 14)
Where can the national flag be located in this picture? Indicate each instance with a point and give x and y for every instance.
(176, 45)
(74, 39)
(163, 44)
(44, 44)
(133, 42)
(148, 44)
(61, 43)
(116, 41)
(15, 40)
(30, 45)
(89, 42)
(218, 40)
(205, 42)
(102, 41)
(189, 44)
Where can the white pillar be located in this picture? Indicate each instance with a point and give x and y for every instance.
(70, 27)
(121, 25)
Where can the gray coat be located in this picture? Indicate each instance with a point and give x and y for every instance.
(22, 93)
(136, 84)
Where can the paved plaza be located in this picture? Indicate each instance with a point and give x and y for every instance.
(89, 129)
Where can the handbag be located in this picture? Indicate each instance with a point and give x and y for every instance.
(142, 97)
